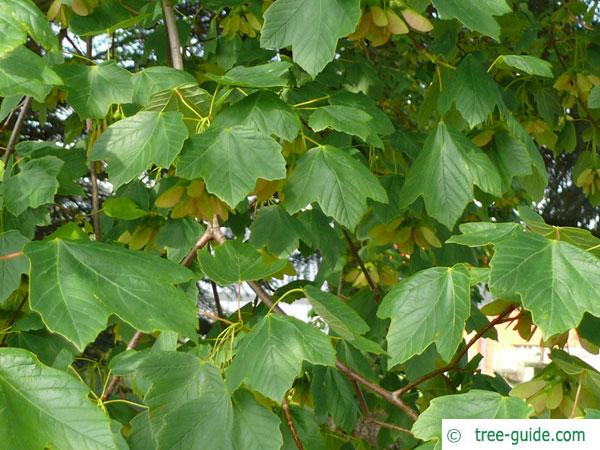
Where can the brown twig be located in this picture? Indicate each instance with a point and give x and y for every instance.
(264, 297)
(74, 45)
(391, 426)
(7, 121)
(14, 136)
(501, 318)
(10, 256)
(94, 188)
(206, 237)
(290, 421)
(217, 299)
(114, 381)
(362, 403)
(382, 392)
(577, 396)
(364, 270)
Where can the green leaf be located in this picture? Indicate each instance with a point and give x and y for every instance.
(19, 18)
(557, 281)
(336, 181)
(189, 99)
(472, 90)
(276, 230)
(8, 105)
(333, 395)
(152, 80)
(122, 208)
(528, 64)
(11, 269)
(179, 236)
(131, 145)
(140, 436)
(33, 186)
(380, 122)
(92, 89)
(311, 27)
(263, 76)
(231, 160)
(74, 166)
(346, 119)
(109, 16)
(270, 357)
(477, 234)
(428, 307)
(318, 233)
(254, 426)
(444, 173)
(511, 157)
(594, 98)
(474, 14)
(236, 261)
(263, 111)
(51, 349)
(23, 72)
(340, 317)
(44, 407)
(188, 402)
(474, 404)
(537, 181)
(76, 285)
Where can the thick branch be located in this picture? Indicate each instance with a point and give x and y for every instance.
(173, 35)
(14, 136)
(458, 357)
(206, 237)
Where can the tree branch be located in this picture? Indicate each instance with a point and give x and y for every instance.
(14, 136)
(94, 188)
(362, 403)
(217, 299)
(290, 421)
(173, 35)
(382, 392)
(89, 128)
(213, 232)
(364, 270)
(206, 237)
(458, 357)
(391, 426)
